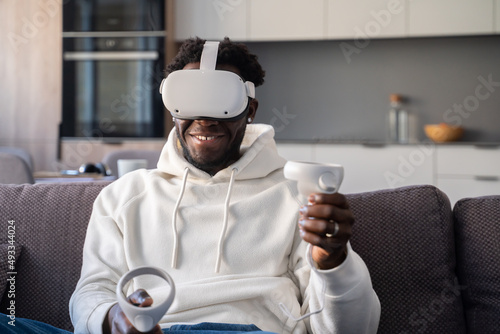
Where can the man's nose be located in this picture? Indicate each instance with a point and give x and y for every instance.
(207, 122)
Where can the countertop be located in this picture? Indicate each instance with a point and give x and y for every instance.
(375, 143)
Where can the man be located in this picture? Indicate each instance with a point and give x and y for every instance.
(221, 219)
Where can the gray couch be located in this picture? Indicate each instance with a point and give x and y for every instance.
(435, 270)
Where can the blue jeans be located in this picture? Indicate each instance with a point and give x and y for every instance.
(18, 325)
(31, 326)
(213, 328)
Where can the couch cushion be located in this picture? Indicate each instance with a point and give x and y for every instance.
(51, 223)
(406, 239)
(478, 253)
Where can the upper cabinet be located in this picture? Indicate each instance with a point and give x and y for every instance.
(286, 20)
(363, 19)
(450, 17)
(278, 20)
(213, 19)
(255, 20)
(497, 17)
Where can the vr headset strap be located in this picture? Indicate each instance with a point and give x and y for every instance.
(209, 55)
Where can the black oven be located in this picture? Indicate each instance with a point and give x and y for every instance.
(113, 15)
(113, 61)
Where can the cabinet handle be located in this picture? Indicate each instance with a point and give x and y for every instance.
(374, 145)
(112, 141)
(486, 146)
(112, 55)
(86, 34)
(486, 178)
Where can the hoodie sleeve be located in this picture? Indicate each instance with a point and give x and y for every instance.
(346, 293)
(103, 265)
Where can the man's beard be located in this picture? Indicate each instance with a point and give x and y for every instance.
(231, 155)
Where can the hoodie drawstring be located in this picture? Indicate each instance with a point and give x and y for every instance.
(174, 218)
(224, 224)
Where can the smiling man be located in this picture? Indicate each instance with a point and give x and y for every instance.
(219, 216)
(209, 144)
(212, 145)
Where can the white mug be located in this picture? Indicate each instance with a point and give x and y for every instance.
(128, 165)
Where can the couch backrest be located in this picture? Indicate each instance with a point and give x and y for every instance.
(478, 258)
(50, 225)
(406, 238)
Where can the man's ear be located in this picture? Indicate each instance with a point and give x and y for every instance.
(252, 108)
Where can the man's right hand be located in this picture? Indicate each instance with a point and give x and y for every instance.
(117, 322)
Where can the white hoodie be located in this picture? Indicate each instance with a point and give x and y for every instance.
(231, 245)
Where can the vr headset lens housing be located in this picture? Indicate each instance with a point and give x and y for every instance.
(214, 94)
(206, 93)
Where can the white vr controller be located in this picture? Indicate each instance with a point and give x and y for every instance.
(314, 177)
(144, 318)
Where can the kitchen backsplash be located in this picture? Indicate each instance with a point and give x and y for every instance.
(339, 90)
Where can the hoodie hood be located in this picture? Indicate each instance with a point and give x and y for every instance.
(259, 157)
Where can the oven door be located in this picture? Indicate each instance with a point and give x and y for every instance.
(113, 93)
(113, 15)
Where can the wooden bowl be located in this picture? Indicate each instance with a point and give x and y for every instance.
(441, 133)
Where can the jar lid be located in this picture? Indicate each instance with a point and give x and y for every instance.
(395, 98)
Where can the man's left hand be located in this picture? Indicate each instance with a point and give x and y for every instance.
(326, 223)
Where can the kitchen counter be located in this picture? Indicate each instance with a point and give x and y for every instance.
(376, 143)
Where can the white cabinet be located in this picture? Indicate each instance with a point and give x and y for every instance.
(364, 19)
(457, 188)
(467, 160)
(373, 168)
(213, 19)
(286, 20)
(450, 17)
(369, 168)
(361, 20)
(458, 170)
(497, 16)
(255, 20)
(468, 171)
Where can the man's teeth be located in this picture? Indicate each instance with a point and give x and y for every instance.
(205, 138)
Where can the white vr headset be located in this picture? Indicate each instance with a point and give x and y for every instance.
(206, 93)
